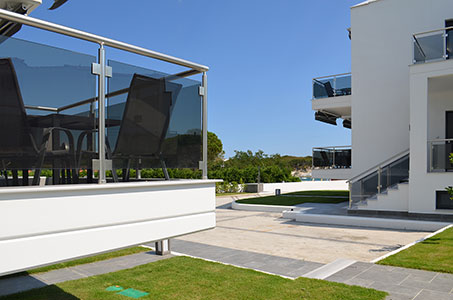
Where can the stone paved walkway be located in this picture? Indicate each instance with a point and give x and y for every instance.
(400, 283)
(12, 285)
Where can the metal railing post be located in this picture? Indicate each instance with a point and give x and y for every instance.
(379, 180)
(101, 114)
(430, 146)
(445, 35)
(205, 126)
(333, 158)
(335, 86)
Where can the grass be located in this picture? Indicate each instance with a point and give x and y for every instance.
(189, 278)
(230, 194)
(85, 260)
(433, 254)
(310, 197)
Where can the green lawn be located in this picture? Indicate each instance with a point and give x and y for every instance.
(189, 278)
(86, 260)
(311, 197)
(433, 254)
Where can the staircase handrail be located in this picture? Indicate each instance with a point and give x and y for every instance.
(380, 165)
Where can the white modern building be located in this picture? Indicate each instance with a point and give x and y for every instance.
(398, 102)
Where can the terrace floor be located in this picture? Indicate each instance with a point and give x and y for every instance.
(267, 233)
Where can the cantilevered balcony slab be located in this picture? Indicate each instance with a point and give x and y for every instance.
(337, 174)
(339, 105)
(44, 225)
(332, 97)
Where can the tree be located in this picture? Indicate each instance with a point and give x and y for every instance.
(215, 147)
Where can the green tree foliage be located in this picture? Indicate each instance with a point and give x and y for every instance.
(215, 148)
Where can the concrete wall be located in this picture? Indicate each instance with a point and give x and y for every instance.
(431, 87)
(382, 50)
(43, 225)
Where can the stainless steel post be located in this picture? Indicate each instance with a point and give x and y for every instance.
(205, 126)
(335, 86)
(379, 180)
(101, 114)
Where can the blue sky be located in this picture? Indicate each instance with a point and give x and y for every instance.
(262, 56)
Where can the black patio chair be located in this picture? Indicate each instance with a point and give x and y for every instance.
(144, 124)
(18, 149)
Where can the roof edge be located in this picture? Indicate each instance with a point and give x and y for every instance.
(364, 3)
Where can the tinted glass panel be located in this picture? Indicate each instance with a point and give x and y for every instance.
(33, 76)
(155, 117)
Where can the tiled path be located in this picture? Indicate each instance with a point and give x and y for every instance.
(17, 284)
(402, 284)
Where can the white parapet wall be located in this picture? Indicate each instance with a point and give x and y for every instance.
(288, 187)
(44, 225)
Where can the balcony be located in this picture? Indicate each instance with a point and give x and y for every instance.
(433, 45)
(332, 162)
(78, 132)
(332, 98)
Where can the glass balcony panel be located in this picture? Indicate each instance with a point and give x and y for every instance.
(429, 47)
(440, 157)
(148, 91)
(326, 158)
(34, 76)
(322, 158)
(335, 85)
(343, 85)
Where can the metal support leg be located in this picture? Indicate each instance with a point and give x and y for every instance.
(24, 177)
(15, 177)
(163, 247)
(205, 126)
(164, 169)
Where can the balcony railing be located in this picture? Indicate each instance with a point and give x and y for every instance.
(439, 155)
(379, 178)
(433, 45)
(75, 113)
(332, 157)
(332, 86)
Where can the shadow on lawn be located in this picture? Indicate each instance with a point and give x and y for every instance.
(12, 288)
(51, 292)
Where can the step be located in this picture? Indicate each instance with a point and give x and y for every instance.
(330, 269)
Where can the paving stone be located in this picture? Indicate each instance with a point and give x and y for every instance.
(443, 278)
(380, 275)
(397, 296)
(360, 282)
(434, 286)
(433, 295)
(394, 288)
(419, 275)
(308, 267)
(60, 275)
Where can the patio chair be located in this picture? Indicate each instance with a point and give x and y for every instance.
(18, 149)
(144, 124)
(329, 89)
